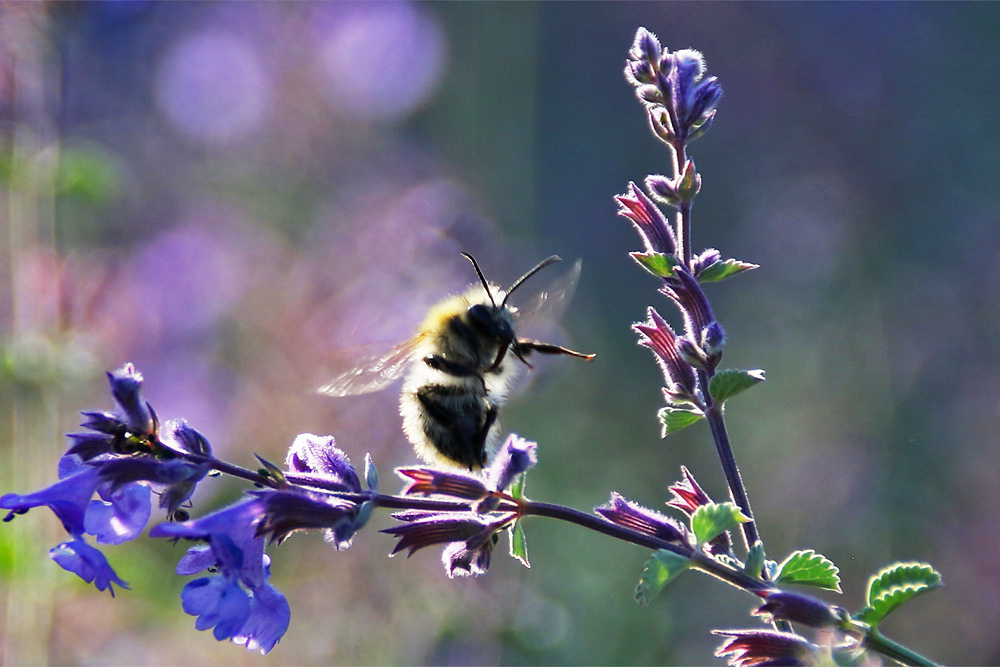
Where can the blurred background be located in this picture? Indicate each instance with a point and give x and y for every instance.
(228, 194)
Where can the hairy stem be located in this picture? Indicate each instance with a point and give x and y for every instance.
(736, 489)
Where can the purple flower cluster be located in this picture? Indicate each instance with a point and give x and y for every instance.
(121, 458)
(468, 533)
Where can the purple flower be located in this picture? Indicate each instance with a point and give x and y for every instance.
(125, 385)
(516, 456)
(254, 616)
(657, 335)
(688, 495)
(434, 481)
(122, 517)
(283, 512)
(318, 457)
(750, 648)
(681, 100)
(68, 499)
(657, 236)
(636, 517)
(433, 528)
(181, 437)
(90, 445)
(692, 302)
(799, 609)
(219, 602)
(268, 621)
(462, 560)
(88, 563)
(470, 538)
(237, 601)
(232, 536)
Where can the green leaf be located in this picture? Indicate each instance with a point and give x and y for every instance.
(675, 418)
(518, 545)
(661, 568)
(516, 487)
(727, 383)
(712, 519)
(371, 474)
(809, 568)
(755, 561)
(659, 264)
(723, 269)
(893, 586)
(271, 470)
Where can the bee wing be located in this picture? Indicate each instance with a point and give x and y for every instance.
(372, 367)
(546, 307)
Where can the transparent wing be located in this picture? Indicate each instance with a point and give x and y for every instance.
(370, 367)
(545, 309)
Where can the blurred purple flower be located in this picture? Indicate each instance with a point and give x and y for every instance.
(382, 61)
(212, 88)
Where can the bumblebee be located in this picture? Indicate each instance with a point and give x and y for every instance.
(458, 370)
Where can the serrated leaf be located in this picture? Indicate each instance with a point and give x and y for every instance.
(371, 474)
(676, 418)
(518, 544)
(894, 585)
(712, 519)
(661, 568)
(659, 264)
(723, 269)
(755, 561)
(727, 383)
(809, 568)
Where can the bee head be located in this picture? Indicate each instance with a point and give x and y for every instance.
(495, 319)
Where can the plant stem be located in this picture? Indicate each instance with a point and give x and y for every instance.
(683, 223)
(736, 489)
(877, 642)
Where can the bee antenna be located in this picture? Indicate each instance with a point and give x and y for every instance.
(541, 265)
(482, 278)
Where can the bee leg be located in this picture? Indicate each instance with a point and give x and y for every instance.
(525, 346)
(484, 434)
